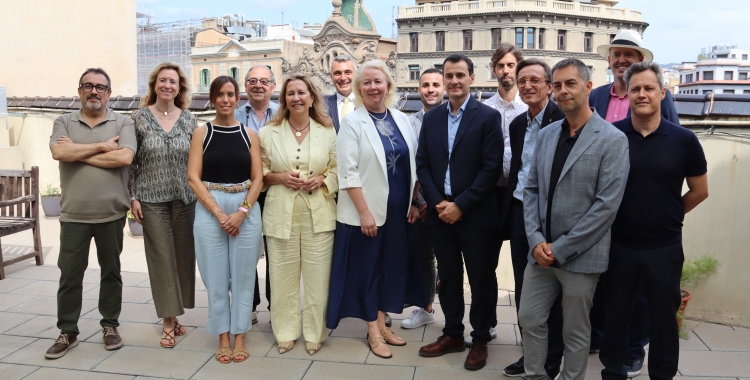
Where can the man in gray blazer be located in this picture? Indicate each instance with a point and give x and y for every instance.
(575, 185)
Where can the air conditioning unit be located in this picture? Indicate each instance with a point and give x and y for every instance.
(220, 21)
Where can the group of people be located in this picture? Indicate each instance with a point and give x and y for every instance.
(366, 207)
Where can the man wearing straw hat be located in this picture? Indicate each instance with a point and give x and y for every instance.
(611, 103)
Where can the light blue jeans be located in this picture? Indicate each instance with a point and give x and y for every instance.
(227, 264)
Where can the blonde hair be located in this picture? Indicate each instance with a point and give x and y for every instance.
(183, 97)
(390, 98)
(317, 111)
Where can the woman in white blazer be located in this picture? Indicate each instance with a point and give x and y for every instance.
(375, 261)
(298, 148)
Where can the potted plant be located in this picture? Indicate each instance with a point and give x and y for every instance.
(136, 229)
(693, 271)
(51, 201)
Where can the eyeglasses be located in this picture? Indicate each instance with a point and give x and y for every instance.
(88, 87)
(533, 80)
(263, 82)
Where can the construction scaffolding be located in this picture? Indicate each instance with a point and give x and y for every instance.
(165, 42)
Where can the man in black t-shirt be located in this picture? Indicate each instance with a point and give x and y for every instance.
(647, 232)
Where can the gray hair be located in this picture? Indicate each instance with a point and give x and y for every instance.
(641, 67)
(342, 58)
(273, 77)
(583, 70)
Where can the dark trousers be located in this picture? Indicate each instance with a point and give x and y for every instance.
(426, 259)
(659, 270)
(75, 241)
(519, 250)
(454, 245)
(499, 196)
(256, 296)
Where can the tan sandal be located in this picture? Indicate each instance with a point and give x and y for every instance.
(243, 353)
(285, 346)
(312, 348)
(224, 352)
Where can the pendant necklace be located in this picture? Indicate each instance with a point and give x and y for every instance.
(299, 131)
(166, 113)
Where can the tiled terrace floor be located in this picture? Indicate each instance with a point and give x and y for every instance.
(27, 329)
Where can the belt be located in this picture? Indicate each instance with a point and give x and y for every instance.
(234, 188)
(449, 198)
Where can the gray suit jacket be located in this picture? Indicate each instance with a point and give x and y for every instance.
(587, 196)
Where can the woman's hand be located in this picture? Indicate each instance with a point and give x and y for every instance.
(369, 228)
(231, 225)
(313, 183)
(135, 208)
(291, 180)
(413, 214)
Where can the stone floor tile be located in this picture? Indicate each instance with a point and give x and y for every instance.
(154, 362)
(84, 357)
(45, 327)
(713, 363)
(9, 301)
(507, 314)
(693, 343)
(42, 305)
(258, 343)
(498, 357)
(67, 374)
(503, 298)
(260, 368)
(131, 312)
(506, 334)
(46, 273)
(135, 279)
(9, 284)
(701, 325)
(328, 370)
(138, 334)
(201, 299)
(197, 317)
(702, 378)
(349, 328)
(46, 288)
(10, 344)
(724, 340)
(11, 320)
(343, 350)
(15, 371)
(130, 294)
(429, 373)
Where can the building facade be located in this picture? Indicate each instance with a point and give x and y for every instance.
(717, 75)
(545, 29)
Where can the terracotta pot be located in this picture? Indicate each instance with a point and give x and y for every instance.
(51, 206)
(681, 310)
(136, 229)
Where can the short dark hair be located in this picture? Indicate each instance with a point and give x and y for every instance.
(503, 50)
(456, 58)
(583, 70)
(218, 83)
(430, 71)
(641, 67)
(535, 61)
(95, 70)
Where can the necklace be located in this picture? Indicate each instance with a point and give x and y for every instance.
(166, 113)
(376, 118)
(299, 131)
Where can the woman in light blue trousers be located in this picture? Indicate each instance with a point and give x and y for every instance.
(225, 172)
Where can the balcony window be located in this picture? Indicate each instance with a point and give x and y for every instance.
(439, 41)
(728, 75)
(468, 40)
(496, 37)
(413, 42)
(541, 38)
(743, 76)
(205, 80)
(744, 57)
(413, 72)
(519, 38)
(588, 44)
(234, 73)
(708, 75)
(529, 38)
(561, 40)
(697, 76)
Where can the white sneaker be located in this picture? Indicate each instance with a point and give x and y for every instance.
(255, 317)
(418, 317)
(469, 341)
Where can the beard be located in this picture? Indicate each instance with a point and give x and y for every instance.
(94, 106)
(507, 85)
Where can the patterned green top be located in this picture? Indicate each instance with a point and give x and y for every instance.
(159, 170)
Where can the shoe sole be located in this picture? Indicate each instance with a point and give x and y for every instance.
(512, 375)
(114, 347)
(430, 355)
(62, 353)
(634, 374)
(414, 327)
(475, 367)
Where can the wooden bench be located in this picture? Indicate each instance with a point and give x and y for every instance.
(19, 211)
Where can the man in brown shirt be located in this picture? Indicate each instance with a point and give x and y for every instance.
(95, 146)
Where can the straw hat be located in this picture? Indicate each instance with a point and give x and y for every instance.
(630, 39)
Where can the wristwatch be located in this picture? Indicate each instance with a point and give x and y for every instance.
(415, 202)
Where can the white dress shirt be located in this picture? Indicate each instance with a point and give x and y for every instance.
(340, 104)
(509, 111)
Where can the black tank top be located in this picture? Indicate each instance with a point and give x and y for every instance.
(226, 154)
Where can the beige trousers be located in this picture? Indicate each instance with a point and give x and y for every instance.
(308, 254)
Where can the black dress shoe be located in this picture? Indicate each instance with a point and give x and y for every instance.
(388, 321)
(515, 369)
(552, 372)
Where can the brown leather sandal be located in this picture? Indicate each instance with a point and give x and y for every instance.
(169, 337)
(179, 330)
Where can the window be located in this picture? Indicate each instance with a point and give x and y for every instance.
(205, 80)
(708, 75)
(689, 78)
(496, 37)
(439, 41)
(588, 43)
(744, 57)
(706, 91)
(529, 38)
(743, 76)
(413, 42)
(561, 39)
(439, 66)
(697, 76)
(519, 38)
(541, 38)
(729, 91)
(612, 37)
(746, 92)
(728, 75)
(414, 72)
(468, 39)
(734, 56)
(234, 73)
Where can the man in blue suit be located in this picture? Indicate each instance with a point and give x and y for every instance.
(611, 103)
(459, 161)
(342, 102)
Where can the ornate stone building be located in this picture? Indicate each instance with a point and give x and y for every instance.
(546, 29)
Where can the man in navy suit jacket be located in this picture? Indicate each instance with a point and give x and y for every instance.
(459, 161)
(342, 102)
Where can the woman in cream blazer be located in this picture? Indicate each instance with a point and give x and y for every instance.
(298, 148)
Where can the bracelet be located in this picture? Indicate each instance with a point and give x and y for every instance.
(243, 210)
(415, 202)
(246, 205)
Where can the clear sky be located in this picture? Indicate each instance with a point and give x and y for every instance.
(677, 32)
